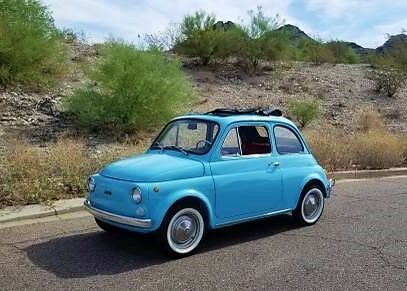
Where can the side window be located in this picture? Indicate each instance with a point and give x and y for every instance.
(247, 140)
(254, 140)
(287, 141)
(230, 146)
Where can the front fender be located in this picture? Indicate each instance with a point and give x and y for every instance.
(318, 176)
(172, 191)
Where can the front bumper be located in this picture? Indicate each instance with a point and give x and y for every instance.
(330, 187)
(125, 220)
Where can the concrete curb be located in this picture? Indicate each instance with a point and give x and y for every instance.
(12, 214)
(365, 174)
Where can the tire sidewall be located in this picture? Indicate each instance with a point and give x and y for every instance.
(299, 211)
(165, 233)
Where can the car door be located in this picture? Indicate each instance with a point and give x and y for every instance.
(295, 162)
(246, 173)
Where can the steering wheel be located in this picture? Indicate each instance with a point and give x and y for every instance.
(206, 142)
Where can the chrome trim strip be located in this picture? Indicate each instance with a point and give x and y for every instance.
(254, 217)
(130, 221)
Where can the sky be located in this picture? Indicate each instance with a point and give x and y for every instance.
(365, 22)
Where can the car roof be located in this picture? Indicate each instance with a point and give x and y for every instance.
(226, 120)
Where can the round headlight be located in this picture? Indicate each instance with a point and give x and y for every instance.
(136, 195)
(91, 184)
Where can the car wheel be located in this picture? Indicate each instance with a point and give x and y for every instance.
(107, 227)
(310, 206)
(182, 230)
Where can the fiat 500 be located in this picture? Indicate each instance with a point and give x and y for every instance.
(206, 171)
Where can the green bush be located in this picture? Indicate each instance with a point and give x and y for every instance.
(303, 111)
(388, 80)
(342, 54)
(228, 43)
(31, 48)
(315, 51)
(250, 43)
(261, 41)
(198, 37)
(132, 89)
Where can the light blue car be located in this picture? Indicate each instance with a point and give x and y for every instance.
(206, 171)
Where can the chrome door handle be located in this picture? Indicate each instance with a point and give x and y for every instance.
(275, 164)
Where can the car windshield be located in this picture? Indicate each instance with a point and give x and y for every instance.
(188, 136)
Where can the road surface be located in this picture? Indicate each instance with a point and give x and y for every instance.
(359, 243)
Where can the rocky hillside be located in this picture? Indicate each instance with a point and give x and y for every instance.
(392, 43)
(343, 92)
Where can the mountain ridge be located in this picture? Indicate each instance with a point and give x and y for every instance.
(295, 34)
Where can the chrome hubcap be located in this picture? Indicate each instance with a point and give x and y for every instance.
(184, 230)
(312, 205)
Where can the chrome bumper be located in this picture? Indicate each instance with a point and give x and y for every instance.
(330, 187)
(130, 221)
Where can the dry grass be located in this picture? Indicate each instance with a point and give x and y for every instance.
(374, 149)
(370, 120)
(371, 146)
(377, 150)
(330, 147)
(30, 174)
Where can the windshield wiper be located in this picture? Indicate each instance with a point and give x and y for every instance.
(170, 147)
(174, 147)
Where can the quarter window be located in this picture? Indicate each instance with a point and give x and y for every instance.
(230, 146)
(247, 140)
(287, 141)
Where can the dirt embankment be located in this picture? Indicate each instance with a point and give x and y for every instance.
(342, 90)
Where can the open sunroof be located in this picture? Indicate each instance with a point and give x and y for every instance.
(251, 111)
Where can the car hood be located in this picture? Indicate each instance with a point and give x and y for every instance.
(154, 167)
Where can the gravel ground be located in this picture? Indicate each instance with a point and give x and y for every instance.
(342, 90)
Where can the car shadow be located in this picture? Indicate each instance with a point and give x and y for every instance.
(100, 253)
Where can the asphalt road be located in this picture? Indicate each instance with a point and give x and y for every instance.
(359, 243)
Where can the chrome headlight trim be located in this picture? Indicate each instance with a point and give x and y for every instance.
(91, 184)
(136, 194)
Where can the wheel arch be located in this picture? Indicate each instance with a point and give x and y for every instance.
(315, 182)
(313, 179)
(189, 198)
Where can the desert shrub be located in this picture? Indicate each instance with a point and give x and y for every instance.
(251, 43)
(315, 51)
(31, 48)
(342, 54)
(165, 40)
(131, 89)
(261, 41)
(370, 120)
(330, 148)
(32, 175)
(376, 150)
(380, 61)
(388, 80)
(373, 147)
(198, 37)
(303, 111)
(228, 43)
(390, 69)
